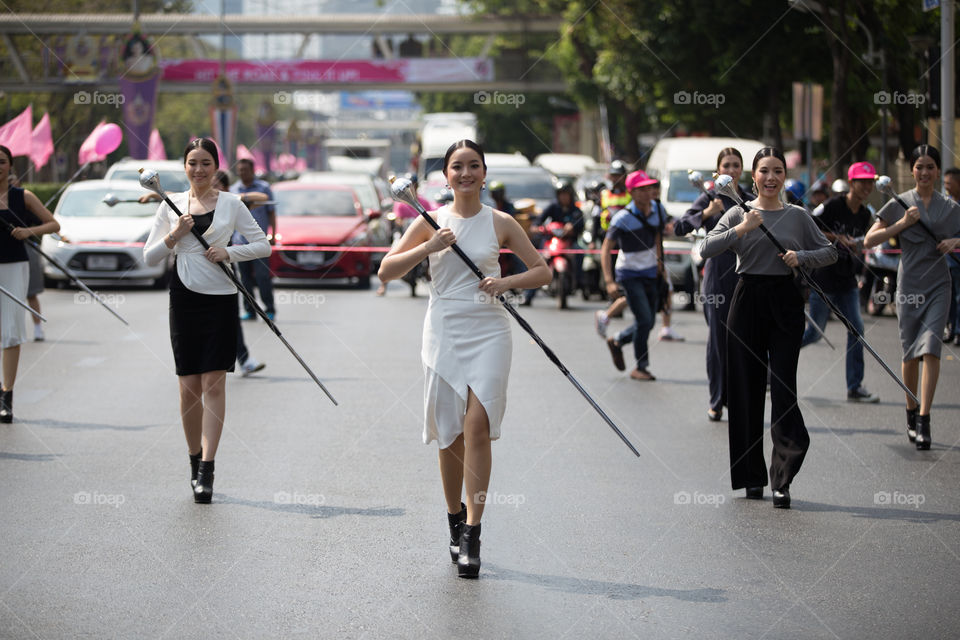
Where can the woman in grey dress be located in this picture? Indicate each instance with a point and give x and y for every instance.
(923, 279)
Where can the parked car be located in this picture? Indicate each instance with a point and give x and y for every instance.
(317, 215)
(172, 176)
(99, 242)
(375, 207)
(523, 182)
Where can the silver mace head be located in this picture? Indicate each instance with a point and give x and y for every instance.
(402, 191)
(110, 200)
(724, 184)
(150, 179)
(884, 184)
(696, 179)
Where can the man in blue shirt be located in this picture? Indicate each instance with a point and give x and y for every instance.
(256, 271)
(636, 230)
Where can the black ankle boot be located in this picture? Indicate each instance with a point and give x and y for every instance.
(456, 520)
(6, 406)
(194, 467)
(203, 492)
(923, 432)
(468, 562)
(912, 423)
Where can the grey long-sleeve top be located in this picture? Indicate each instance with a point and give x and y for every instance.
(756, 255)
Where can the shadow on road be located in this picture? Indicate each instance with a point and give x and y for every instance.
(312, 510)
(29, 457)
(613, 590)
(879, 513)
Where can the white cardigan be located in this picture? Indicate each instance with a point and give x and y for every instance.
(196, 272)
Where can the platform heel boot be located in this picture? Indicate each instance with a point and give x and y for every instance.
(912, 423)
(456, 520)
(468, 562)
(203, 492)
(194, 468)
(6, 406)
(923, 432)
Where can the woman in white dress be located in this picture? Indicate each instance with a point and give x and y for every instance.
(466, 337)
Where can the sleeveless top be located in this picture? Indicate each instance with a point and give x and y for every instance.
(11, 249)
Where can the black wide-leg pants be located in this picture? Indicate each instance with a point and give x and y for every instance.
(765, 325)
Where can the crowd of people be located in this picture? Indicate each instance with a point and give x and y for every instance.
(756, 242)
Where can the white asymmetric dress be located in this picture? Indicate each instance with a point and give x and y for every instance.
(466, 333)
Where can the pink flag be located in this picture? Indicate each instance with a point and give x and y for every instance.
(259, 165)
(42, 142)
(88, 150)
(300, 165)
(156, 150)
(243, 153)
(17, 135)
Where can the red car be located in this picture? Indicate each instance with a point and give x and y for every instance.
(320, 215)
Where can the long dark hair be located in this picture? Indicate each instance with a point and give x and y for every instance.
(460, 144)
(728, 151)
(9, 155)
(207, 145)
(222, 179)
(925, 150)
(767, 152)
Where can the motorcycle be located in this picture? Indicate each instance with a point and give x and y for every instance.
(878, 288)
(591, 278)
(563, 283)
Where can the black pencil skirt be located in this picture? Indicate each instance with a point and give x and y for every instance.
(203, 330)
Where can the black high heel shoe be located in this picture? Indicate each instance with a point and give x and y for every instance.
(6, 406)
(203, 491)
(468, 562)
(781, 497)
(754, 493)
(923, 432)
(912, 423)
(456, 520)
(194, 467)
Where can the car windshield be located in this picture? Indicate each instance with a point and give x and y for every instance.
(362, 185)
(682, 191)
(538, 186)
(88, 203)
(171, 181)
(315, 202)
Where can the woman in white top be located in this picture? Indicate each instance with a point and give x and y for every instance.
(466, 337)
(203, 300)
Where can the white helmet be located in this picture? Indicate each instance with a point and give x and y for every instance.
(840, 186)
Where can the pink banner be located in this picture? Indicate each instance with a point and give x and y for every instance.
(42, 147)
(17, 135)
(333, 71)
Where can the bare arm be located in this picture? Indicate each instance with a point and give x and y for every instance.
(417, 242)
(606, 262)
(513, 237)
(48, 224)
(880, 232)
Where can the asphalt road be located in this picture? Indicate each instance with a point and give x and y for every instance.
(329, 521)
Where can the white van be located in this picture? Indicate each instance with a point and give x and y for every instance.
(672, 158)
(440, 130)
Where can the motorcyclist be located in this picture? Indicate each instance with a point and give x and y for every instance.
(498, 192)
(566, 211)
(616, 197)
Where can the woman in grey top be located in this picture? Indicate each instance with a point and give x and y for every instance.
(923, 279)
(764, 327)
